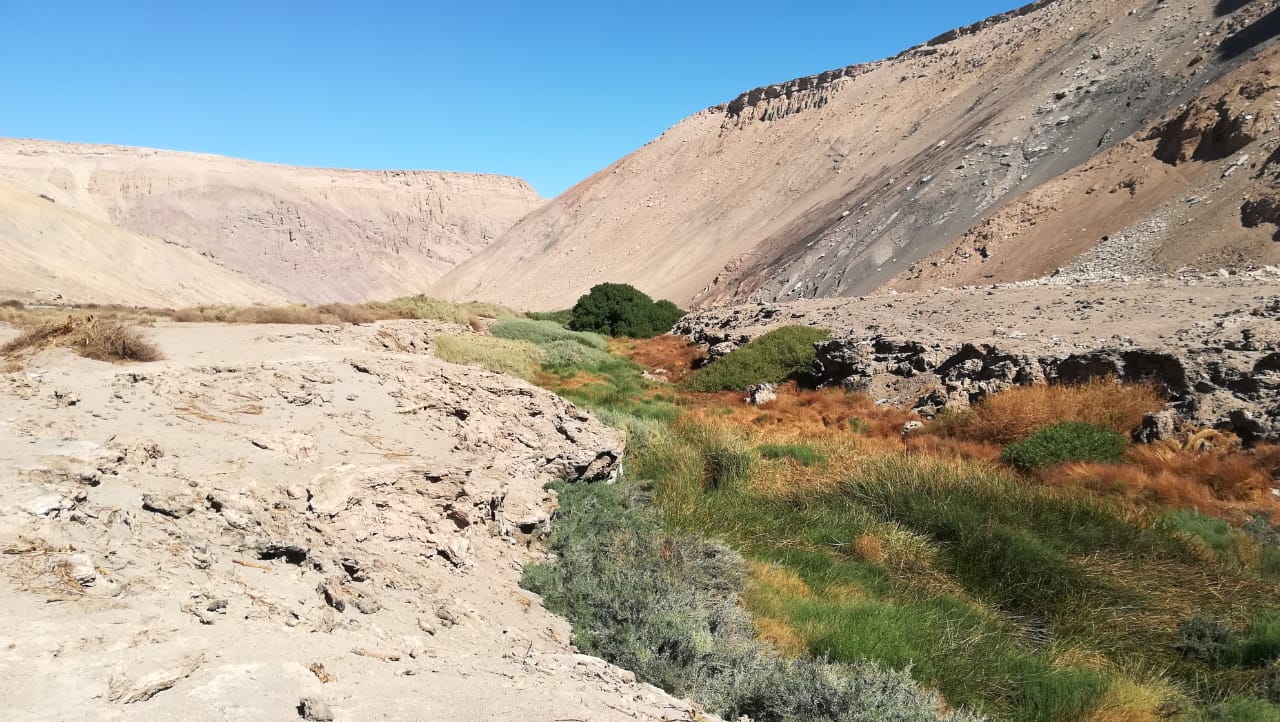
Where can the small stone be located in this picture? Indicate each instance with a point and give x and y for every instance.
(310, 708)
(762, 394)
(170, 506)
(64, 398)
(47, 505)
(332, 593)
(82, 568)
(446, 616)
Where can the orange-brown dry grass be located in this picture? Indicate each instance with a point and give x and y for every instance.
(869, 547)
(803, 411)
(669, 357)
(780, 635)
(103, 340)
(1016, 412)
(1230, 475)
(322, 315)
(1224, 481)
(933, 445)
(769, 586)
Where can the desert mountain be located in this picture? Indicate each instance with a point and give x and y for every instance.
(998, 151)
(314, 234)
(54, 253)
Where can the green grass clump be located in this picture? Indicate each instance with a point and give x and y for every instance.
(1259, 644)
(561, 317)
(1240, 709)
(545, 332)
(563, 355)
(665, 606)
(772, 358)
(1059, 443)
(804, 454)
(500, 355)
(427, 308)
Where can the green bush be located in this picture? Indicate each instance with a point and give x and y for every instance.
(500, 355)
(544, 332)
(772, 358)
(1203, 639)
(665, 606)
(805, 455)
(617, 309)
(1059, 443)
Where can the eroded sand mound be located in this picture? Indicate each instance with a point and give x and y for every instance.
(278, 514)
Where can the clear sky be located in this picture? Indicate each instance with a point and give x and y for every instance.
(548, 91)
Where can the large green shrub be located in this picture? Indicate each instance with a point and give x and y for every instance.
(1059, 443)
(617, 309)
(771, 358)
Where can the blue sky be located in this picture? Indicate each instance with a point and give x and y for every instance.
(550, 92)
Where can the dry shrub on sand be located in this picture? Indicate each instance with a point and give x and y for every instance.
(104, 340)
(1017, 412)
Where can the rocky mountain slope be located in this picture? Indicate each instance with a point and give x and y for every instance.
(1002, 138)
(284, 523)
(315, 235)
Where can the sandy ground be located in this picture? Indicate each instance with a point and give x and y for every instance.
(275, 514)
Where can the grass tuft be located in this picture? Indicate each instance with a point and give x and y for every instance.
(1057, 444)
(1017, 412)
(544, 332)
(803, 454)
(514, 358)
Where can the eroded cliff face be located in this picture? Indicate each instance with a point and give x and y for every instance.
(834, 184)
(317, 234)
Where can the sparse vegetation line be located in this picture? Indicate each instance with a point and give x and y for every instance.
(1023, 558)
